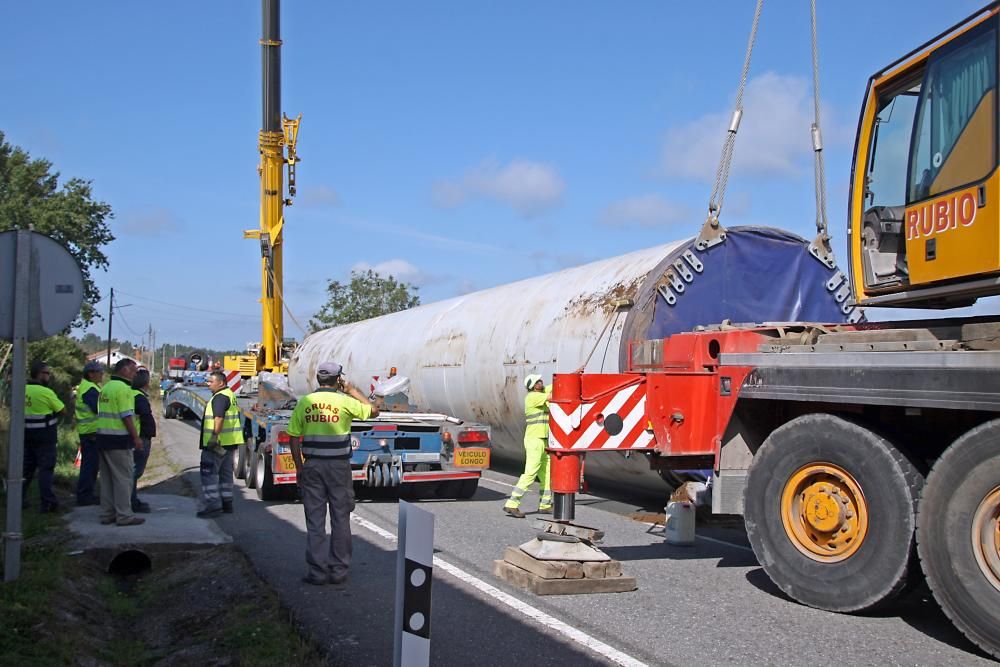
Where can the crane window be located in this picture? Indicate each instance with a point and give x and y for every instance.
(954, 142)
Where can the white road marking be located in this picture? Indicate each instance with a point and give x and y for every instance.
(568, 631)
(496, 481)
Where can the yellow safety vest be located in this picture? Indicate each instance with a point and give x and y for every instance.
(232, 430)
(116, 403)
(536, 413)
(323, 419)
(86, 419)
(41, 412)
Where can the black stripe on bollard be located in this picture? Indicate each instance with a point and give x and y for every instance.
(417, 599)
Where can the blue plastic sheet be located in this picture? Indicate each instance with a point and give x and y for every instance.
(758, 274)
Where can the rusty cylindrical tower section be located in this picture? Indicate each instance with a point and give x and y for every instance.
(468, 356)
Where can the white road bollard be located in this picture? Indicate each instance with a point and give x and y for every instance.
(414, 569)
(679, 527)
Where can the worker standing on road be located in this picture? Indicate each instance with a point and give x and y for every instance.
(86, 427)
(536, 439)
(42, 409)
(320, 428)
(117, 436)
(147, 431)
(221, 434)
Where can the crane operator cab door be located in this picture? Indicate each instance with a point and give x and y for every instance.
(925, 191)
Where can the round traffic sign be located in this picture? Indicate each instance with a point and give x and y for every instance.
(53, 285)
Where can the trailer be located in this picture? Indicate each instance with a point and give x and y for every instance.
(418, 454)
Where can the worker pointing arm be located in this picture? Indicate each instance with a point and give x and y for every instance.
(320, 427)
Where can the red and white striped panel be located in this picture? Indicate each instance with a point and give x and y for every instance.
(233, 381)
(579, 428)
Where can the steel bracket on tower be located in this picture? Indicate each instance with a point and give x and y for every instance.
(712, 233)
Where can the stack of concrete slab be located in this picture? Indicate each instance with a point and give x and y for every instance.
(562, 560)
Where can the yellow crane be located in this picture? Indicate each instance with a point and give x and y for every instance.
(276, 142)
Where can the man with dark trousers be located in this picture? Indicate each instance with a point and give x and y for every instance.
(320, 429)
(221, 434)
(147, 431)
(42, 409)
(87, 394)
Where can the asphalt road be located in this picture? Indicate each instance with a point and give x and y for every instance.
(710, 604)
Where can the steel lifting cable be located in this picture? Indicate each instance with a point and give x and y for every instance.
(726, 159)
(281, 296)
(820, 247)
(711, 232)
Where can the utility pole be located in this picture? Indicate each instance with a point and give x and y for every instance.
(152, 350)
(111, 314)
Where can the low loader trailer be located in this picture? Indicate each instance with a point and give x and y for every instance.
(422, 455)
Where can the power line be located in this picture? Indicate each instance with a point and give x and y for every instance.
(124, 321)
(185, 306)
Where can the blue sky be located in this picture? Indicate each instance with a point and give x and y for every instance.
(457, 145)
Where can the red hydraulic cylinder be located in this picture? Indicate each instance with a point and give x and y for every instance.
(564, 467)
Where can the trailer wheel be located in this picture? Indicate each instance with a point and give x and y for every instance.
(458, 488)
(467, 488)
(830, 513)
(241, 462)
(266, 488)
(250, 475)
(958, 534)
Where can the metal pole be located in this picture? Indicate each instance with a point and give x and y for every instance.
(15, 453)
(111, 313)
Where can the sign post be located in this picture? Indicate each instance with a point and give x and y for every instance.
(33, 305)
(414, 569)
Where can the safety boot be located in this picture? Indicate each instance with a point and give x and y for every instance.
(514, 512)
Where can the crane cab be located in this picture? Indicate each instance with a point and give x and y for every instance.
(925, 191)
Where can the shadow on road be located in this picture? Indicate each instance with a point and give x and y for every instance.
(727, 556)
(916, 608)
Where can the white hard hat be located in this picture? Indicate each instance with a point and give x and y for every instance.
(532, 380)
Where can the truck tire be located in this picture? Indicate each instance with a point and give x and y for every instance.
(250, 476)
(830, 510)
(240, 470)
(266, 488)
(958, 534)
(468, 488)
(458, 488)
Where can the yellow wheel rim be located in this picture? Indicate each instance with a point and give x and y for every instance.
(824, 512)
(986, 537)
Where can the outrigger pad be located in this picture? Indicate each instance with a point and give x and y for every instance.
(557, 528)
(559, 550)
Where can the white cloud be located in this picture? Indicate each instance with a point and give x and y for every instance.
(401, 270)
(645, 211)
(774, 136)
(530, 188)
(149, 222)
(320, 195)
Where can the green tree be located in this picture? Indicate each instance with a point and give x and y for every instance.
(367, 295)
(65, 357)
(30, 195)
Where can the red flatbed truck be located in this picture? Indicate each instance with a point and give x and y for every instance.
(863, 457)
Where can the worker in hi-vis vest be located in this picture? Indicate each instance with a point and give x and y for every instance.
(536, 439)
(87, 395)
(42, 409)
(221, 434)
(320, 430)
